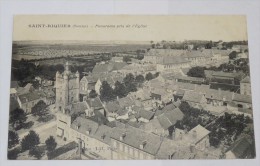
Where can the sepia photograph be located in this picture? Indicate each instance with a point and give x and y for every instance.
(124, 87)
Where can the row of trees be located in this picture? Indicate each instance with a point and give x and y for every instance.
(121, 89)
(29, 142)
(196, 44)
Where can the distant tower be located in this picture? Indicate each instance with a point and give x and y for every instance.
(67, 87)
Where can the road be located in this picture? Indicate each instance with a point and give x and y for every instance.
(39, 129)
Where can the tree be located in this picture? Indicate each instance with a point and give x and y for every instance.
(120, 89)
(13, 138)
(139, 78)
(196, 72)
(30, 140)
(37, 152)
(140, 57)
(17, 118)
(92, 94)
(130, 83)
(106, 92)
(126, 59)
(232, 55)
(149, 76)
(39, 108)
(51, 144)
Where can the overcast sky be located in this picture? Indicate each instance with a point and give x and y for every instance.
(156, 28)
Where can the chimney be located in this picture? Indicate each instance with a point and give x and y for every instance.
(194, 134)
(122, 137)
(192, 148)
(88, 131)
(79, 147)
(142, 145)
(103, 136)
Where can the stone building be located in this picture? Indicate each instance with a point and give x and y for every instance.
(67, 87)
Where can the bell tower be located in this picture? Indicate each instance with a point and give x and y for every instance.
(67, 87)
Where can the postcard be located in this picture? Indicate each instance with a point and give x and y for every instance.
(130, 87)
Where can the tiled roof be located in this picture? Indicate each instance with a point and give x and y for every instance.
(83, 125)
(197, 53)
(218, 94)
(103, 133)
(113, 106)
(200, 133)
(135, 137)
(95, 103)
(79, 107)
(173, 60)
(240, 147)
(35, 95)
(169, 118)
(169, 107)
(146, 114)
(125, 102)
(242, 98)
(168, 147)
(99, 68)
(191, 96)
(186, 86)
(186, 78)
(164, 52)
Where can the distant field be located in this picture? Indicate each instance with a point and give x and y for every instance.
(39, 50)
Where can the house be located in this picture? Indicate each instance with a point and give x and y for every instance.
(156, 55)
(199, 137)
(50, 95)
(145, 116)
(117, 59)
(221, 77)
(87, 83)
(170, 118)
(133, 143)
(240, 149)
(242, 101)
(29, 100)
(95, 104)
(108, 67)
(154, 126)
(194, 98)
(172, 63)
(193, 80)
(245, 86)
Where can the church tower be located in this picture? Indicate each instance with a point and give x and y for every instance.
(67, 87)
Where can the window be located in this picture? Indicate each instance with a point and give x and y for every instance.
(135, 153)
(126, 149)
(114, 144)
(121, 147)
(131, 151)
(141, 155)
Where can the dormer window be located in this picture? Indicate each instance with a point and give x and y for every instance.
(78, 126)
(103, 136)
(143, 144)
(122, 137)
(88, 131)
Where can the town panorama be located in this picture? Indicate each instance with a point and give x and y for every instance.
(124, 101)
